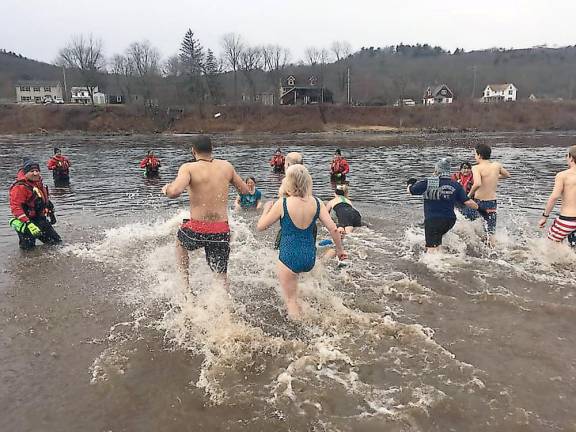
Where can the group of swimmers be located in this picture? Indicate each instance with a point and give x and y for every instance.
(472, 191)
(207, 181)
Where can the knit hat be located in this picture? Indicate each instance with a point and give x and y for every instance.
(57, 150)
(28, 165)
(443, 167)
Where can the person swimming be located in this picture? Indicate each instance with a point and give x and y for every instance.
(251, 200)
(298, 212)
(348, 217)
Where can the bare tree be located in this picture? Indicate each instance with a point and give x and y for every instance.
(312, 56)
(172, 67)
(275, 59)
(123, 72)
(84, 53)
(144, 61)
(233, 47)
(341, 49)
(250, 61)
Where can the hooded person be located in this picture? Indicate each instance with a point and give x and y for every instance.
(60, 167)
(338, 168)
(440, 194)
(31, 207)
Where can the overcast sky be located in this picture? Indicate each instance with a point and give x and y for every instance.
(39, 28)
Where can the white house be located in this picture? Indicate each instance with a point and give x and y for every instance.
(499, 92)
(440, 94)
(37, 91)
(82, 95)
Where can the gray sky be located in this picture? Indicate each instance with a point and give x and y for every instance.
(39, 28)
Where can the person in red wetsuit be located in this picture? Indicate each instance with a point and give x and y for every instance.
(464, 176)
(60, 167)
(151, 165)
(277, 162)
(31, 207)
(339, 168)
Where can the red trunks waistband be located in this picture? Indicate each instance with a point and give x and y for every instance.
(207, 227)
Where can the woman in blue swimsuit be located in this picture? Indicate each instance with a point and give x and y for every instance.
(298, 213)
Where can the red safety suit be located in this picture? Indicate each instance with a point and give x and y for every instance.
(29, 199)
(339, 166)
(150, 162)
(277, 161)
(465, 181)
(59, 164)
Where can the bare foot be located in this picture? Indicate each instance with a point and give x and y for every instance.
(294, 311)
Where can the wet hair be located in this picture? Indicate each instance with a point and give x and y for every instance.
(250, 178)
(57, 150)
(342, 190)
(297, 182)
(484, 151)
(465, 165)
(150, 152)
(338, 152)
(572, 152)
(202, 144)
(294, 158)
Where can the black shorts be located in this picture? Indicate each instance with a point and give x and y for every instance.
(434, 230)
(216, 247)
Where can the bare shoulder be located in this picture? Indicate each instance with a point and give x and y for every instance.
(224, 164)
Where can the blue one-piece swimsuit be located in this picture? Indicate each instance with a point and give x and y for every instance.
(297, 246)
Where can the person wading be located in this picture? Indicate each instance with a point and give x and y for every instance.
(60, 167)
(151, 165)
(207, 181)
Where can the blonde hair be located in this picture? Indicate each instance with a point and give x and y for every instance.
(344, 188)
(297, 182)
(572, 152)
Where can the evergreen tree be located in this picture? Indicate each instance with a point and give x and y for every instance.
(192, 59)
(212, 70)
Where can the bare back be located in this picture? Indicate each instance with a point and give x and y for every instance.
(301, 210)
(489, 173)
(208, 188)
(568, 180)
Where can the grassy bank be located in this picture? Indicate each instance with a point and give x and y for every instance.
(520, 116)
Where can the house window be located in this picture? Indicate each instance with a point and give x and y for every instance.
(48, 89)
(36, 89)
(291, 81)
(25, 98)
(25, 88)
(37, 99)
(510, 92)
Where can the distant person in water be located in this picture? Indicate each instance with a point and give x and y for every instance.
(60, 167)
(339, 168)
(251, 200)
(486, 177)
(151, 165)
(207, 181)
(297, 212)
(277, 162)
(441, 194)
(32, 210)
(348, 217)
(564, 226)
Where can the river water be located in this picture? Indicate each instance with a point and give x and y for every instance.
(97, 335)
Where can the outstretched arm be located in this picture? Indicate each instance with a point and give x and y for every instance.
(175, 189)
(504, 173)
(238, 183)
(556, 193)
(333, 230)
(271, 213)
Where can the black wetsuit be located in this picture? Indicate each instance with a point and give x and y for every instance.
(346, 214)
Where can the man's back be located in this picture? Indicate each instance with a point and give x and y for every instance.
(209, 183)
(489, 174)
(568, 192)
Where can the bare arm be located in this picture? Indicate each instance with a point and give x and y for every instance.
(556, 193)
(329, 206)
(271, 213)
(504, 173)
(238, 183)
(477, 181)
(175, 189)
(333, 230)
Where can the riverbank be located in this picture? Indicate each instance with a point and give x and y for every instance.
(519, 116)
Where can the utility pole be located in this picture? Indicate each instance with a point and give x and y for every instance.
(474, 69)
(348, 86)
(65, 86)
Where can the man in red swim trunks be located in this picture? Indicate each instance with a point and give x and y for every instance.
(207, 180)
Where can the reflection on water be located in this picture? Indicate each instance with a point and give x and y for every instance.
(399, 340)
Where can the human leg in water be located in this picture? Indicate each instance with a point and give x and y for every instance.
(289, 284)
(183, 261)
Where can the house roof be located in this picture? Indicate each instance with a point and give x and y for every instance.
(38, 83)
(499, 87)
(300, 80)
(435, 90)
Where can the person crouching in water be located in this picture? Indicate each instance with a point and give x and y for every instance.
(151, 165)
(31, 207)
(277, 162)
(339, 168)
(348, 217)
(60, 167)
(251, 200)
(298, 213)
(441, 194)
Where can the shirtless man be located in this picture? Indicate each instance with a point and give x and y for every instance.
(207, 180)
(486, 176)
(565, 188)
